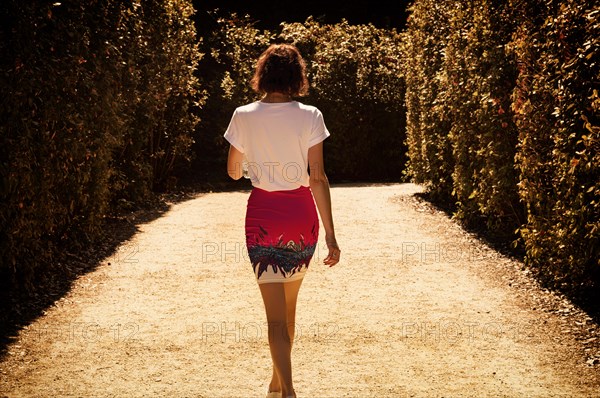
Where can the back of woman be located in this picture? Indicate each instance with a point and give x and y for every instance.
(280, 141)
(277, 143)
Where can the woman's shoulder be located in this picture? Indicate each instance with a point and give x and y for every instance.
(252, 106)
(293, 106)
(308, 108)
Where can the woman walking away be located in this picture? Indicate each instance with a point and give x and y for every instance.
(278, 140)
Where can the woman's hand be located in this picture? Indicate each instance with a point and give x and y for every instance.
(319, 185)
(334, 251)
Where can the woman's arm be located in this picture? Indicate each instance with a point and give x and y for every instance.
(234, 163)
(319, 186)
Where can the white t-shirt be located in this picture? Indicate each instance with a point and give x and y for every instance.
(275, 138)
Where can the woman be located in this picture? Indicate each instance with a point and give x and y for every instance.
(279, 140)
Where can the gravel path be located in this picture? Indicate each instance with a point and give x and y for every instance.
(416, 308)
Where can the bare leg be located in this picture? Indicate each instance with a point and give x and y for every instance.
(285, 327)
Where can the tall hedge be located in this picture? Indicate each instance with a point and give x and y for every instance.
(59, 114)
(162, 96)
(358, 84)
(231, 46)
(95, 95)
(428, 117)
(513, 87)
(170, 99)
(461, 137)
(479, 78)
(356, 80)
(557, 110)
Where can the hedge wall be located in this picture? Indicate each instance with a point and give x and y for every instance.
(557, 110)
(231, 46)
(162, 96)
(95, 109)
(512, 88)
(480, 79)
(356, 81)
(428, 119)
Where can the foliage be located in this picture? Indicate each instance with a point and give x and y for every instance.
(356, 81)
(461, 137)
(231, 46)
(159, 40)
(502, 119)
(58, 113)
(96, 97)
(428, 117)
(479, 78)
(557, 111)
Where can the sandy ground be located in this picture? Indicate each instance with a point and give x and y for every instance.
(416, 308)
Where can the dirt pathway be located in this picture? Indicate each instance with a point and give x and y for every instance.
(416, 308)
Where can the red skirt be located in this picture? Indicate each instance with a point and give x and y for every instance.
(282, 229)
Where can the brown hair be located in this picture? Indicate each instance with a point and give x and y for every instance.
(281, 69)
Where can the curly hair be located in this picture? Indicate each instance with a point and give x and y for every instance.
(281, 69)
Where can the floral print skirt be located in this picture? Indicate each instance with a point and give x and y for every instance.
(282, 229)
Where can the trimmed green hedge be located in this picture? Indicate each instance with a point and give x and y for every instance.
(479, 79)
(357, 83)
(428, 118)
(503, 96)
(58, 113)
(557, 110)
(231, 46)
(356, 80)
(95, 111)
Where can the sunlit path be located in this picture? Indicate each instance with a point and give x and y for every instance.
(417, 308)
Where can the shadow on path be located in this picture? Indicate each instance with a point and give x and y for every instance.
(18, 309)
(588, 300)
